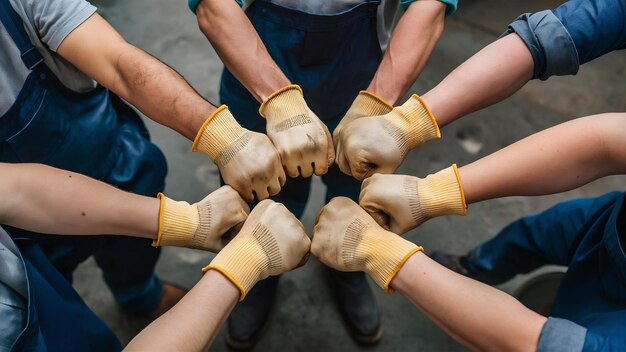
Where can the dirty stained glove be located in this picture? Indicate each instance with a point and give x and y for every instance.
(272, 241)
(379, 144)
(346, 238)
(409, 201)
(204, 225)
(302, 140)
(365, 104)
(247, 160)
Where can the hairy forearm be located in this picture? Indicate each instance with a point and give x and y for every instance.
(47, 200)
(478, 316)
(558, 159)
(409, 48)
(240, 48)
(160, 92)
(490, 76)
(193, 323)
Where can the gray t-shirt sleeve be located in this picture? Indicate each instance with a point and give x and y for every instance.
(54, 19)
(561, 335)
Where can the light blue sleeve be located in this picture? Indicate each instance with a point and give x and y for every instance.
(193, 4)
(452, 5)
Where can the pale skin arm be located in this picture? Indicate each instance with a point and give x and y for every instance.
(150, 85)
(409, 48)
(47, 200)
(224, 23)
(490, 76)
(193, 323)
(558, 159)
(478, 316)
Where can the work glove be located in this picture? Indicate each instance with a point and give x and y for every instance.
(247, 160)
(204, 225)
(408, 201)
(302, 140)
(271, 242)
(365, 104)
(346, 238)
(378, 144)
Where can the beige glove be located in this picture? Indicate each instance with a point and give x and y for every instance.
(379, 144)
(346, 238)
(247, 160)
(365, 104)
(303, 141)
(409, 201)
(271, 242)
(204, 225)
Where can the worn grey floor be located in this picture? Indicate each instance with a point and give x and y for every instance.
(305, 318)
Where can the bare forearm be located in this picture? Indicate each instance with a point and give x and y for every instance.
(47, 200)
(479, 316)
(239, 46)
(160, 92)
(408, 51)
(193, 323)
(554, 160)
(490, 76)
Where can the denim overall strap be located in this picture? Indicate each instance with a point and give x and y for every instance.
(13, 24)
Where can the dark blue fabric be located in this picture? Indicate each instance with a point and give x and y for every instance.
(331, 57)
(58, 319)
(98, 135)
(588, 236)
(596, 26)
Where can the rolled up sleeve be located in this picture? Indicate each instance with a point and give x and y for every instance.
(560, 335)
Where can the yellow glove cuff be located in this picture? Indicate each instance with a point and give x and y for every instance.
(415, 123)
(442, 193)
(247, 259)
(368, 104)
(178, 223)
(384, 252)
(221, 136)
(286, 108)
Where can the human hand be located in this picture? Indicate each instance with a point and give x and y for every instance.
(302, 140)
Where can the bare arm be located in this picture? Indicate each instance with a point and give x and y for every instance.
(490, 76)
(239, 46)
(478, 316)
(410, 47)
(150, 85)
(40, 198)
(193, 323)
(558, 159)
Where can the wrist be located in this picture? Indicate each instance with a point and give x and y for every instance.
(218, 134)
(441, 193)
(370, 104)
(284, 105)
(406, 277)
(416, 122)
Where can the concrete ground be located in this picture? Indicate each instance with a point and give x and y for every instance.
(305, 318)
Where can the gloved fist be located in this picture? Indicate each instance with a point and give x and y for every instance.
(346, 238)
(303, 141)
(379, 144)
(365, 104)
(247, 160)
(409, 201)
(271, 242)
(203, 225)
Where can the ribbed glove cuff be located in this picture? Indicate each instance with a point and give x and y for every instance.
(442, 193)
(368, 104)
(415, 122)
(286, 105)
(248, 258)
(178, 223)
(221, 136)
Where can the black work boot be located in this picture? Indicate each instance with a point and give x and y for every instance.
(247, 320)
(454, 262)
(357, 305)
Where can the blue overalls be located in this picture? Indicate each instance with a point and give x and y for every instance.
(588, 236)
(57, 319)
(332, 58)
(95, 134)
